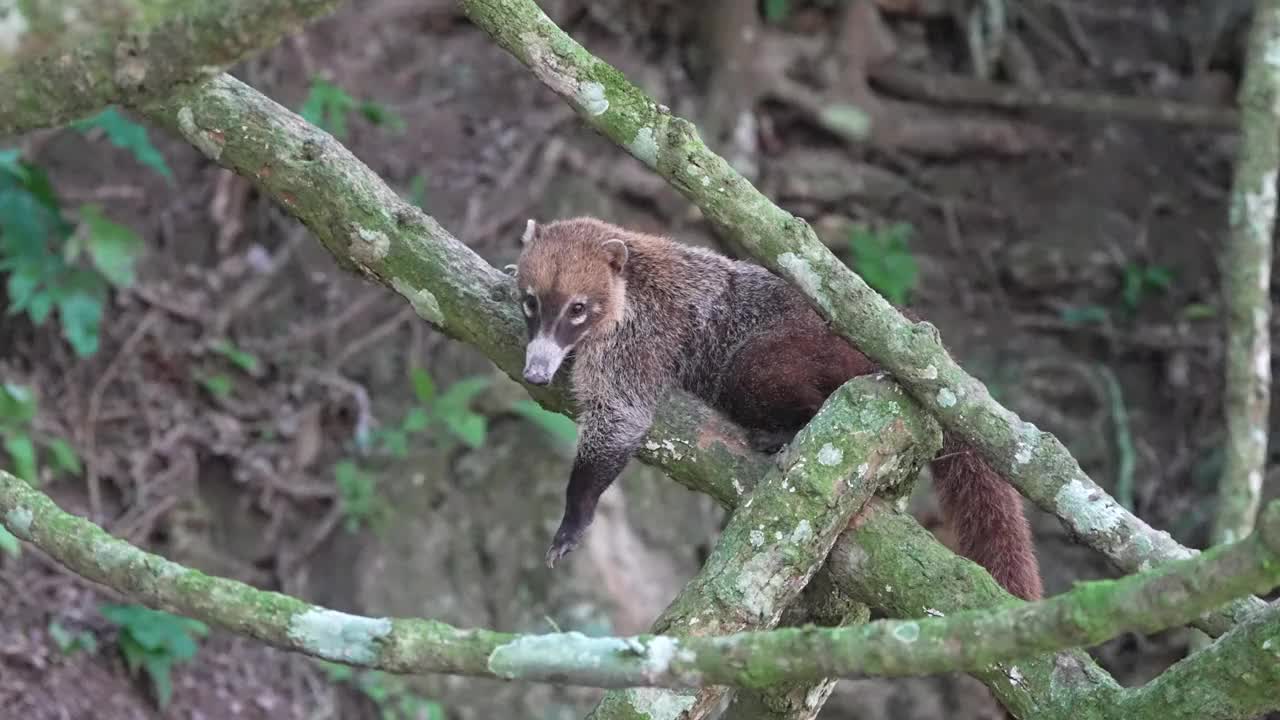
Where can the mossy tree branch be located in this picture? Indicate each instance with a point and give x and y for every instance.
(1247, 276)
(1036, 462)
(773, 545)
(61, 60)
(971, 641)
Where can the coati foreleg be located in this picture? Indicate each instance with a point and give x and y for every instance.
(610, 435)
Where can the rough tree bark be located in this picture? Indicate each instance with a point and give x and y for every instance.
(1247, 281)
(61, 60)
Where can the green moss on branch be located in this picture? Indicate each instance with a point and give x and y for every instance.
(972, 640)
(61, 60)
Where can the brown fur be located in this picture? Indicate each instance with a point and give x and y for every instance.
(743, 340)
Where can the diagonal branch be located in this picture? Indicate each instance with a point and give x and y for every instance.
(64, 59)
(1035, 462)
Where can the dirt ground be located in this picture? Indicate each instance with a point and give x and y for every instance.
(1023, 223)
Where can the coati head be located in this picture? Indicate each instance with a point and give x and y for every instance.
(571, 289)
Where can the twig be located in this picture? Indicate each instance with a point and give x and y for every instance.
(958, 90)
(1124, 440)
(90, 432)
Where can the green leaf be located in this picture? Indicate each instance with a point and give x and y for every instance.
(113, 248)
(381, 115)
(1199, 311)
(217, 385)
(418, 191)
(327, 106)
(469, 428)
(776, 10)
(558, 426)
(127, 135)
(423, 386)
(158, 670)
(460, 394)
(17, 405)
(80, 312)
(1085, 314)
(9, 544)
(883, 259)
(416, 420)
(64, 456)
(395, 442)
(23, 454)
(247, 362)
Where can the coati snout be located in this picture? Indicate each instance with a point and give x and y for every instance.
(567, 291)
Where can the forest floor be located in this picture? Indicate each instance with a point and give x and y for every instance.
(1068, 257)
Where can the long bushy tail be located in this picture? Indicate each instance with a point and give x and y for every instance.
(986, 514)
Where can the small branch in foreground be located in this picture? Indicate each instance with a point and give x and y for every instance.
(1247, 280)
(1034, 461)
(1092, 613)
(75, 58)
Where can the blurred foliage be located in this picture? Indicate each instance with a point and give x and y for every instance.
(54, 264)
(881, 257)
(154, 641)
(328, 107)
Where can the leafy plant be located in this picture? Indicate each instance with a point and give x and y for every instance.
(358, 493)
(881, 257)
(70, 642)
(1140, 281)
(21, 442)
(776, 10)
(328, 106)
(128, 135)
(154, 641)
(392, 695)
(40, 250)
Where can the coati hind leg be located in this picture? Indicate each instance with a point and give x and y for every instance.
(778, 381)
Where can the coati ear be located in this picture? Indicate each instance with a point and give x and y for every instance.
(616, 249)
(530, 228)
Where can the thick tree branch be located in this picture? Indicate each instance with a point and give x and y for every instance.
(1235, 677)
(64, 59)
(1247, 275)
(1036, 462)
(773, 545)
(1092, 613)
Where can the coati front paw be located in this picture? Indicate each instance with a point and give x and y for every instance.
(566, 541)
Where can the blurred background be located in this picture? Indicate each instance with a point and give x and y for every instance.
(183, 363)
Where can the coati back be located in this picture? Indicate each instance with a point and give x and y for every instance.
(640, 313)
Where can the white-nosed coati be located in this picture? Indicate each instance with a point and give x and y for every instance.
(640, 313)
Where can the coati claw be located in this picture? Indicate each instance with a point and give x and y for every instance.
(565, 542)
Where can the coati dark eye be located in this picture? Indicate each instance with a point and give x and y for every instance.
(530, 305)
(577, 308)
